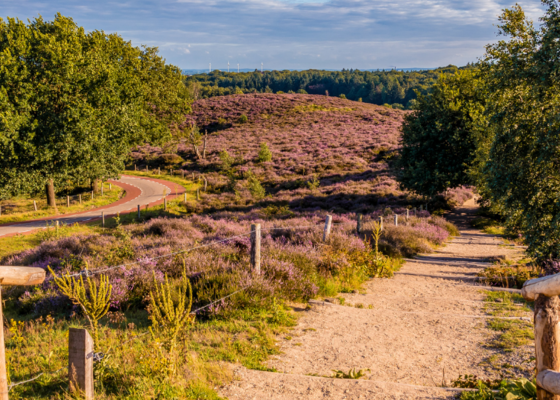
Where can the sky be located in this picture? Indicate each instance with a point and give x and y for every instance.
(292, 34)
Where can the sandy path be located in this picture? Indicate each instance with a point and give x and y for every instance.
(422, 329)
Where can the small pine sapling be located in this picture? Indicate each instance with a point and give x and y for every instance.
(93, 298)
(265, 154)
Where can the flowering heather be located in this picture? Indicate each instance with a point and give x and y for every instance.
(292, 254)
(347, 146)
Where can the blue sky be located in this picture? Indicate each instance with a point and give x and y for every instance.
(292, 34)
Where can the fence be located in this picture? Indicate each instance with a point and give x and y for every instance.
(81, 355)
(41, 204)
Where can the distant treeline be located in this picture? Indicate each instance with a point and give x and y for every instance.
(381, 87)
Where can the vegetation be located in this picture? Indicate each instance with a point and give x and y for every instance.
(440, 137)
(395, 88)
(73, 103)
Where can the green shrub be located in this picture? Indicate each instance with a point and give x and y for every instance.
(226, 160)
(255, 187)
(243, 119)
(342, 96)
(264, 153)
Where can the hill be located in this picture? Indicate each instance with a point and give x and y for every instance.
(327, 153)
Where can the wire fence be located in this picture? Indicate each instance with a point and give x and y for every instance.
(97, 357)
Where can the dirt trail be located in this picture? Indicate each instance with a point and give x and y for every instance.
(421, 331)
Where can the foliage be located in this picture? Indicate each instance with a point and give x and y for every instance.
(255, 187)
(73, 103)
(169, 317)
(94, 300)
(226, 160)
(440, 136)
(522, 174)
(377, 87)
(519, 389)
(352, 374)
(265, 154)
(243, 119)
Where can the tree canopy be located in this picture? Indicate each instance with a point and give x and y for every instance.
(440, 137)
(73, 103)
(379, 87)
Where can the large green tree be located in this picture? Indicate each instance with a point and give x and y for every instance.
(73, 103)
(440, 136)
(523, 168)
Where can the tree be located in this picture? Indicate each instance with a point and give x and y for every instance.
(440, 136)
(522, 173)
(265, 154)
(73, 103)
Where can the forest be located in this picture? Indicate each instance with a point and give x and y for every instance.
(395, 88)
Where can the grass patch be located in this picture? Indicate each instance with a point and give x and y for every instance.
(21, 209)
(512, 333)
(189, 185)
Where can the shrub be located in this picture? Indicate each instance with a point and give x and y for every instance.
(255, 187)
(342, 96)
(265, 154)
(226, 160)
(243, 119)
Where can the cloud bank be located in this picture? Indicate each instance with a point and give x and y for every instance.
(292, 34)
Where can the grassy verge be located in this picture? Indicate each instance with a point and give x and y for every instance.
(189, 185)
(19, 211)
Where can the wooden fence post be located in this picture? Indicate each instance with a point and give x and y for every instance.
(57, 228)
(101, 188)
(327, 231)
(67, 201)
(193, 176)
(103, 219)
(205, 184)
(359, 219)
(80, 362)
(110, 186)
(420, 207)
(381, 223)
(92, 194)
(138, 211)
(35, 205)
(159, 171)
(165, 204)
(256, 248)
(14, 276)
(396, 220)
(135, 167)
(147, 168)
(407, 214)
(185, 198)
(80, 197)
(197, 193)
(0, 211)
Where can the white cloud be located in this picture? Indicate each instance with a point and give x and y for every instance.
(293, 33)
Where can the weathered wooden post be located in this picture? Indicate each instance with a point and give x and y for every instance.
(205, 184)
(159, 171)
(110, 186)
(407, 216)
(80, 198)
(197, 193)
(103, 219)
(256, 247)
(35, 205)
(381, 223)
(80, 362)
(420, 207)
(67, 201)
(101, 188)
(14, 276)
(359, 221)
(57, 228)
(0, 211)
(185, 198)
(327, 230)
(138, 211)
(193, 176)
(544, 292)
(396, 220)
(135, 167)
(165, 204)
(92, 194)
(147, 168)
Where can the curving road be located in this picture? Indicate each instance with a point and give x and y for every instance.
(140, 191)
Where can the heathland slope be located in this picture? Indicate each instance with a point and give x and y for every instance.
(327, 153)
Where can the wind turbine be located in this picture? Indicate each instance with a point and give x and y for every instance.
(210, 68)
(261, 67)
(228, 66)
(237, 67)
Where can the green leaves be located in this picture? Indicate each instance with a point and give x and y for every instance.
(440, 137)
(73, 103)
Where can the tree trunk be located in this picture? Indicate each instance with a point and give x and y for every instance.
(195, 147)
(95, 186)
(547, 339)
(204, 148)
(49, 187)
